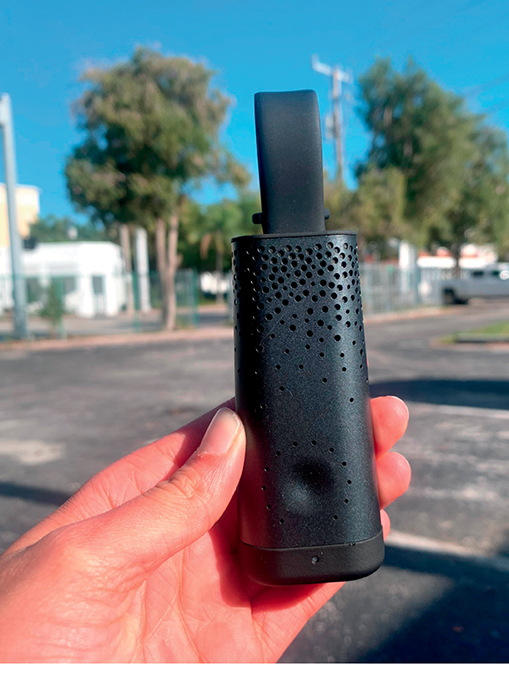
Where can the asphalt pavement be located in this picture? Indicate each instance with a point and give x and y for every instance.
(442, 594)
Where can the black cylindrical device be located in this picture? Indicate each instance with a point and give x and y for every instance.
(307, 500)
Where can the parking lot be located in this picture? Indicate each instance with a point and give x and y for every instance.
(443, 592)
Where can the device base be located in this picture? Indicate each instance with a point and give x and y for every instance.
(312, 564)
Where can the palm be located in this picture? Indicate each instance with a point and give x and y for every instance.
(194, 606)
(212, 621)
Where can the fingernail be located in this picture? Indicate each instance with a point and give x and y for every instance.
(221, 432)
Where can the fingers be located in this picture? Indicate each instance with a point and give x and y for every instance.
(386, 523)
(394, 474)
(140, 535)
(390, 419)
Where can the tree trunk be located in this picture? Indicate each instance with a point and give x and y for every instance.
(171, 273)
(219, 267)
(125, 244)
(162, 269)
(456, 253)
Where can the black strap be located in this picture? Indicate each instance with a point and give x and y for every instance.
(289, 146)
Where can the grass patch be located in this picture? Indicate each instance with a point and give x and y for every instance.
(449, 340)
(496, 331)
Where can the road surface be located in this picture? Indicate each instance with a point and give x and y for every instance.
(442, 594)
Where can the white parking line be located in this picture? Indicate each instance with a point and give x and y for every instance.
(410, 541)
(451, 410)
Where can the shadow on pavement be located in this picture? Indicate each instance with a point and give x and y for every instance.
(39, 495)
(469, 624)
(489, 394)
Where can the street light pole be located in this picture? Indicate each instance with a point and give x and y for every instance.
(18, 278)
(338, 77)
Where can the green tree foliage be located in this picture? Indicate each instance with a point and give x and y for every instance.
(151, 132)
(52, 229)
(375, 210)
(377, 207)
(54, 308)
(482, 213)
(453, 166)
(337, 199)
(206, 231)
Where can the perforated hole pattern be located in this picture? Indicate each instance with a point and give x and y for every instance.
(300, 364)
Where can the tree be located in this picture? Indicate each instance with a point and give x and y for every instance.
(222, 222)
(337, 199)
(54, 308)
(377, 208)
(482, 212)
(226, 219)
(454, 167)
(51, 229)
(151, 132)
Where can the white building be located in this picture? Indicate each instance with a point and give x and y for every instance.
(91, 276)
(471, 257)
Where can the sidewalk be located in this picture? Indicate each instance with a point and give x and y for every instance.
(123, 330)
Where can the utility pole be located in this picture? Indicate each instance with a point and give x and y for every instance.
(337, 77)
(18, 274)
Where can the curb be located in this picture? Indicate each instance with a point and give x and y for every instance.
(406, 314)
(211, 333)
(208, 333)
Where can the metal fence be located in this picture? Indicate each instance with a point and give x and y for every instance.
(98, 303)
(386, 288)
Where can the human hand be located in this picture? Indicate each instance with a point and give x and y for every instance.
(140, 564)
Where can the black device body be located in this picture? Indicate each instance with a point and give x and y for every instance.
(307, 500)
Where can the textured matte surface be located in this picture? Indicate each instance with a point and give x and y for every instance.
(302, 391)
(289, 144)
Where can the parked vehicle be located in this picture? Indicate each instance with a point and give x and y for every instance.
(492, 282)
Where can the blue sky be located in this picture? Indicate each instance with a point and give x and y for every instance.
(254, 46)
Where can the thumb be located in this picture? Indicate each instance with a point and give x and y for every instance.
(144, 532)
